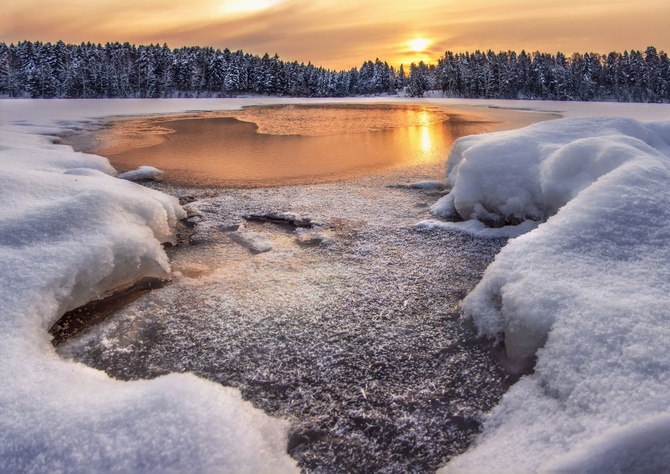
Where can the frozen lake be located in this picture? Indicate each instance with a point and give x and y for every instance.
(344, 324)
(285, 144)
(344, 321)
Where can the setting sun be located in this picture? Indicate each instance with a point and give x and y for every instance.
(418, 44)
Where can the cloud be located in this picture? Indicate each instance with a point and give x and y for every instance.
(343, 34)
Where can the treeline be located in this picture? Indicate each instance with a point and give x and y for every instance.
(45, 70)
(624, 77)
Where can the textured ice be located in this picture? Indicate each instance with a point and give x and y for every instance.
(348, 328)
(427, 184)
(586, 292)
(254, 241)
(477, 228)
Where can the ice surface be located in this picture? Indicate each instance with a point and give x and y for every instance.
(478, 229)
(428, 184)
(586, 292)
(254, 241)
(69, 233)
(349, 328)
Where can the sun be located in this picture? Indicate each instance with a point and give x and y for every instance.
(418, 44)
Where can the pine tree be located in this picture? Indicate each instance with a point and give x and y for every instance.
(418, 80)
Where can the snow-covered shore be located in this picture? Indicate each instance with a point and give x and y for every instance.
(69, 232)
(591, 281)
(586, 293)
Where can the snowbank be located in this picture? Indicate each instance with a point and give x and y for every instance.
(587, 292)
(69, 232)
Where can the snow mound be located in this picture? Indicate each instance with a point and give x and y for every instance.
(70, 232)
(586, 293)
(143, 173)
(513, 176)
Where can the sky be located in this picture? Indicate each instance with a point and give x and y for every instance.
(342, 34)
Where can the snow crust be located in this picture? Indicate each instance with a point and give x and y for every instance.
(69, 233)
(586, 292)
(142, 173)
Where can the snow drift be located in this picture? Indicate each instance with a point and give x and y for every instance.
(587, 292)
(70, 232)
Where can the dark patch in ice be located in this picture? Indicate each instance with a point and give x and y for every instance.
(229, 227)
(422, 185)
(282, 218)
(187, 199)
(79, 320)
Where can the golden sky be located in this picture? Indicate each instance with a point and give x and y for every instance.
(342, 34)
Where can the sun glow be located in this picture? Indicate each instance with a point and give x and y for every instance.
(418, 44)
(247, 6)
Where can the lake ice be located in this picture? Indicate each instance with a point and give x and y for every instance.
(602, 380)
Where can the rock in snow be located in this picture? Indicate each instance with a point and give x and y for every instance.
(587, 292)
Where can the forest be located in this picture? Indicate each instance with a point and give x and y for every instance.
(115, 70)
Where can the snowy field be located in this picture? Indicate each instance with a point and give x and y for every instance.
(584, 290)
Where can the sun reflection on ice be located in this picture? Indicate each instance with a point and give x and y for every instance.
(426, 139)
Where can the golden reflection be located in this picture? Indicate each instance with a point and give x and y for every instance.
(426, 139)
(424, 118)
(263, 146)
(426, 142)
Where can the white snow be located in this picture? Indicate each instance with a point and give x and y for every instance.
(589, 285)
(142, 173)
(587, 292)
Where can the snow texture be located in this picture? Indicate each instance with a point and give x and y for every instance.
(69, 233)
(142, 173)
(586, 293)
